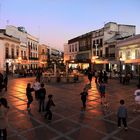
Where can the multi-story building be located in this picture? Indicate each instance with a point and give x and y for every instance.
(98, 44)
(43, 55)
(9, 48)
(33, 43)
(128, 54)
(20, 32)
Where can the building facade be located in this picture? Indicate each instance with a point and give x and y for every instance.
(128, 52)
(20, 32)
(9, 48)
(43, 55)
(33, 44)
(96, 49)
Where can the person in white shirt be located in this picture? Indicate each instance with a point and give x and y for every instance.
(137, 98)
(36, 87)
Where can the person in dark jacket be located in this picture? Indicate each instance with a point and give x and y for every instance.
(29, 96)
(41, 95)
(102, 89)
(84, 95)
(1, 81)
(5, 80)
(122, 115)
(90, 77)
(50, 103)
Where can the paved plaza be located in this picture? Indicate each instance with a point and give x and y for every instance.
(69, 123)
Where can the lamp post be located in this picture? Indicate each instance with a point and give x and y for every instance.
(121, 69)
(94, 57)
(139, 74)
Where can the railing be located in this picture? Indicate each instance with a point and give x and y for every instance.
(33, 58)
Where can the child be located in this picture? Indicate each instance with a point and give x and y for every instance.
(50, 103)
(102, 91)
(41, 96)
(122, 115)
(29, 95)
(84, 95)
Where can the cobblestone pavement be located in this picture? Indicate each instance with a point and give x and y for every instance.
(69, 123)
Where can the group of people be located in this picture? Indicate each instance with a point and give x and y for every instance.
(3, 81)
(100, 80)
(40, 95)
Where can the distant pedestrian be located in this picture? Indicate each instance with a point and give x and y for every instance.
(1, 81)
(50, 103)
(5, 80)
(29, 91)
(41, 96)
(102, 90)
(96, 77)
(122, 115)
(84, 95)
(137, 98)
(90, 77)
(3, 118)
(100, 79)
(36, 87)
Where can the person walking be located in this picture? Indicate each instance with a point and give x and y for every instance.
(1, 81)
(137, 99)
(4, 108)
(5, 80)
(29, 91)
(50, 103)
(41, 96)
(36, 87)
(84, 95)
(122, 115)
(90, 77)
(102, 89)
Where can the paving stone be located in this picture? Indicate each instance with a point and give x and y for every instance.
(40, 133)
(64, 126)
(128, 135)
(86, 134)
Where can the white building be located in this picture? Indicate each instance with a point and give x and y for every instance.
(9, 48)
(33, 44)
(19, 32)
(128, 52)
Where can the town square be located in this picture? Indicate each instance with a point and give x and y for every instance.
(69, 70)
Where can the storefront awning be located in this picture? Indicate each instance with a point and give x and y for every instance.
(101, 61)
(132, 61)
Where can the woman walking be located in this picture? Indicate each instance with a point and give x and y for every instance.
(29, 95)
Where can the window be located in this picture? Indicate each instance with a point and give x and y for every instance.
(22, 54)
(128, 55)
(17, 52)
(76, 47)
(137, 54)
(7, 53)
(101, 42)
(43, 51)
(97, 41)
(70, 48)
(101, 53)
(12, 53)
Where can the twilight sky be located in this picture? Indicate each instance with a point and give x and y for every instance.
(56, 21)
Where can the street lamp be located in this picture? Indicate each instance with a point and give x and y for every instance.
(94, 57)
(121, 69)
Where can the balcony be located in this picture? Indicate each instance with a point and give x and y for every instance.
(33, 58)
